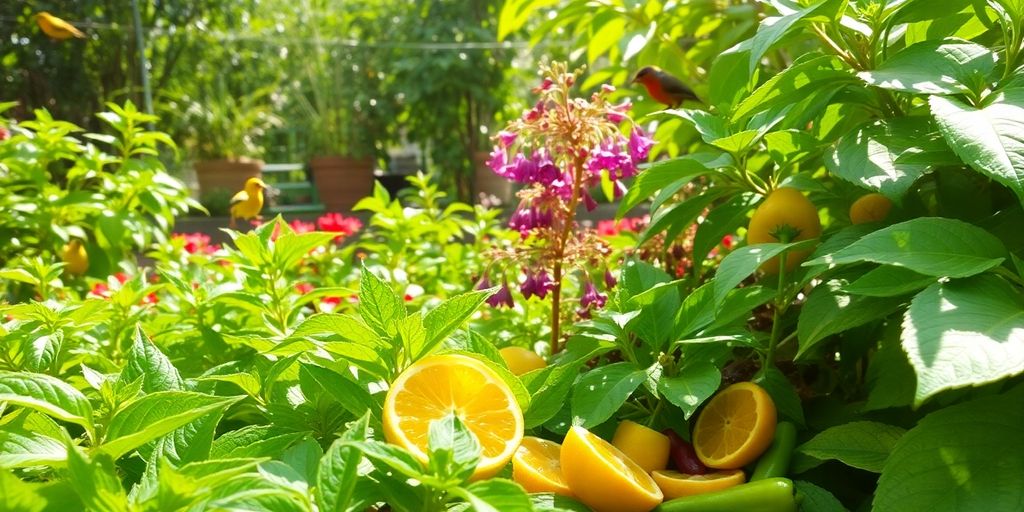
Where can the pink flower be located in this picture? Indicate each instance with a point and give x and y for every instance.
(639, 145)
(538, 284)
(197, 243)
(329, 304)
(607, 228)
(300, 227)
(304, 288)
(4, 134)
(503, 297)
(591, 298)
(507, 138)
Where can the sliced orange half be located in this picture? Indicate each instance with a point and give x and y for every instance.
(676, 485)
(603, 477)
(735, 427)
(537, 467)
(436, 386)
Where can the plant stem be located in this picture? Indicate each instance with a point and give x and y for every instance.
(563, 239)
(780, 308)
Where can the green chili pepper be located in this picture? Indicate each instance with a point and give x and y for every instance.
(775, 461)
(768, 495)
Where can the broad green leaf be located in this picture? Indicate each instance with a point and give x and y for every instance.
(411, 335)
(723, 220)
(787, 402)
(145, 360)
(390, 456)
(453, 450)
(989, 138)
(964, 333)
(710, 126)
(304, 458)
(495, 495)
(379, 305)
(809, 74)
(742, 262)
(354, 397)
(829, 310)
(691, 387)
(247, 382)
(339, 485)
(888, 281)
(254, 441)
(891, 380)
(157, 414)
(553, 385)
(672, 220)
(774, 28)
(947, 66)
(666, 172)
(32, 440)
(189, 443)
(547, 501)
(257, 492)
(817, 499)
(289, 247)
(932, 246)
(448, 316)
(95, 480)
(601, 391)
(344, 326)
(48, 395)
(965, 457)
(880, 155)
(860, 444)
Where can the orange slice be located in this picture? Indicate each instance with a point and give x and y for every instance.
(648, 448)
(537, 467)
(676, 485)
(735, 427)
(521, 360)
(603, 477)
(436, 386)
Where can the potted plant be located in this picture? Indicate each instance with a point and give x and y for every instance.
(347, 117)
(222, 131)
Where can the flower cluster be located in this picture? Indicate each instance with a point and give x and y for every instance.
(196, 243)
(559, 150)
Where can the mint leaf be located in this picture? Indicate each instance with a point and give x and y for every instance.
(964, 333)
(157, 414)
(817, 499)
(22, 445)
(495, 495)
(448, 316)
(453, 449)
(889, 281)
(379, 305)
(965, 457)
(339, 484)
(254, 441)
(601, 391)
(352, 395)
(861, 444)
(690, 388)
(46, 394)
(740, 263)
(932, 246)
(147, 361)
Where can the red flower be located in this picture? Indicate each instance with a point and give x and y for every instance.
(4, 134)
(197, 243)
(100, 291)
(121, 277)
(150, 299)
(727, 241)
(329, 304)
(304, 288)
(300, 227)
(337, 223)
(607, 228)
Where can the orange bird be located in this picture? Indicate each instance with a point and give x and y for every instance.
(56, 27)
(663, 87)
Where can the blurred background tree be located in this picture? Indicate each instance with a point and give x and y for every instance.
(362, 77)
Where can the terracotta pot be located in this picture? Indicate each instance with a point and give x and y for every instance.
(229, 175)
(341, 181)
(487, 183)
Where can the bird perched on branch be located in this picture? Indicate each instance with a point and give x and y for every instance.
(57, 28)
(248, 202)
(663, 87)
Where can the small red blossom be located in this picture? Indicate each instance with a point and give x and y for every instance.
(299, 226)
(727, 241)
(100, 291)
(335, 222)
(150, 299)
(4, 134)
(197, 243)
(304, 288)
(329, 304)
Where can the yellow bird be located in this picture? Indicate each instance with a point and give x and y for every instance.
(248, 202)
(76, 257)
(56, 27)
